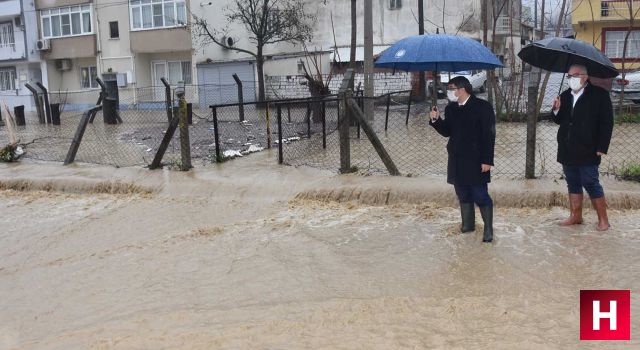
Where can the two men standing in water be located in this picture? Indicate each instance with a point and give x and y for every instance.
(585, 115)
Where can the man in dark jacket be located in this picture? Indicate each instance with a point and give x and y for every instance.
(470, 125)
(585, 116)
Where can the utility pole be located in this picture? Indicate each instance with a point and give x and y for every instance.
(535, 20)
(421, 81)
(368, 58)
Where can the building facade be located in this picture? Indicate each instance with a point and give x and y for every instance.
(20, 61)
(134, 43)
(605, 23)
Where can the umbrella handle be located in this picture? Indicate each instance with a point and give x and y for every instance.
(561, 83)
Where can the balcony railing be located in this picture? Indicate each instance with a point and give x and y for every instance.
(507, 25)
(617, 9)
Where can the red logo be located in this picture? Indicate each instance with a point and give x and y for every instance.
(605, 315)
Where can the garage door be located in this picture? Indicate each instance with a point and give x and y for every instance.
(217, 86)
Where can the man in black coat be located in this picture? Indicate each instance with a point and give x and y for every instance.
(585, 115)
(470, 125)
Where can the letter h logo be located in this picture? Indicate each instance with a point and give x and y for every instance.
(605, 315)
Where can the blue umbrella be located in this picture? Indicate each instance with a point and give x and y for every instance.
(437, 52)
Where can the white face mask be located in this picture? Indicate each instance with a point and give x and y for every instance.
(451, 95)
(575, 84)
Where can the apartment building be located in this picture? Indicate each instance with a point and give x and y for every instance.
(605, 23)
(134, 43)
(19, 58)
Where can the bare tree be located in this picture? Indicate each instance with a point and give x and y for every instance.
(543, 88)
(267, 22)
(354, 34)
(632, 16)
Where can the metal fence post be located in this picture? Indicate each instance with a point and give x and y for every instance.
(38, 103)
(280, 158)
(409, 107)
(167, 98)
(216, 134)
(77, 139)
(240, 97)
(386, 118)
(324, 126)
(308, 120)
(185, 145)
(45, 94)
(532, 123)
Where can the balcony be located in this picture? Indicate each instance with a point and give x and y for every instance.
(9, 8)
(11, 52)
(71, 47)
(161, 40)
(508, 26)
(615, 10)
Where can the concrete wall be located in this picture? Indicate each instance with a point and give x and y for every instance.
(114, 54)
(289, 65)
(68, 80)
(45, 4)
(161, 40)
(279, 87)
(73, 47)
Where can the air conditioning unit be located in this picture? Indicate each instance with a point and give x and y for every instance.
(43, 45)
(229, 41)
(63, 65)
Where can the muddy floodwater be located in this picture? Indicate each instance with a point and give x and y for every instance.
(237, 258)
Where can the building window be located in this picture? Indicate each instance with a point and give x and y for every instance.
(7, 78)
(395, 4)
(179, 71)
(88, 77)
(6, 35)
(175, 71)
(150, 14)
(114, 32)
(614, 44)
(66, 21)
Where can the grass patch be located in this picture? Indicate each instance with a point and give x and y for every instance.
(630, 173)
(627, 118)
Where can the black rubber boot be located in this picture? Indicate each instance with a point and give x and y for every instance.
(487, 217)
(468, 213)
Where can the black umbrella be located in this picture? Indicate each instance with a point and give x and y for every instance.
(558, 54)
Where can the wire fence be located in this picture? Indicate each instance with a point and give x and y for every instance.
(309, 131)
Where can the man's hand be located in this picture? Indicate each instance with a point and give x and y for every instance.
(434, 114)
(556, 104)
(600, 154)
(485, 168)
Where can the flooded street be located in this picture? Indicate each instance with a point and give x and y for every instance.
(236, 258)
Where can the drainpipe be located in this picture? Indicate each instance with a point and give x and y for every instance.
(24, 32)
(98, 43)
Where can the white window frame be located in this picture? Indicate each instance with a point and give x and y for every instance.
(634, 36)
(140, 4)
(11, 72)
(166, 70)
(81, 9)
(12, 40)
(395, 4)
(93, 84)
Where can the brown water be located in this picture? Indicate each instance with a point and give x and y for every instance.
(229, 260)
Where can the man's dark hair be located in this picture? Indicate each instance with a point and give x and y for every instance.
(462, 82)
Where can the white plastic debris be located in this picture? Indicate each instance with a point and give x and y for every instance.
(18, 151)
(254, 148)
(231, 153)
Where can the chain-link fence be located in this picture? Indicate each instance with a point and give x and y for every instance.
(309, 130)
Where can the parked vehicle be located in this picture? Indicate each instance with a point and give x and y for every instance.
(631, 83)
(477, 78)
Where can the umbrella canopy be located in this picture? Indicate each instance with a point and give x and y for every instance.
(437, 52)
(558, 54)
